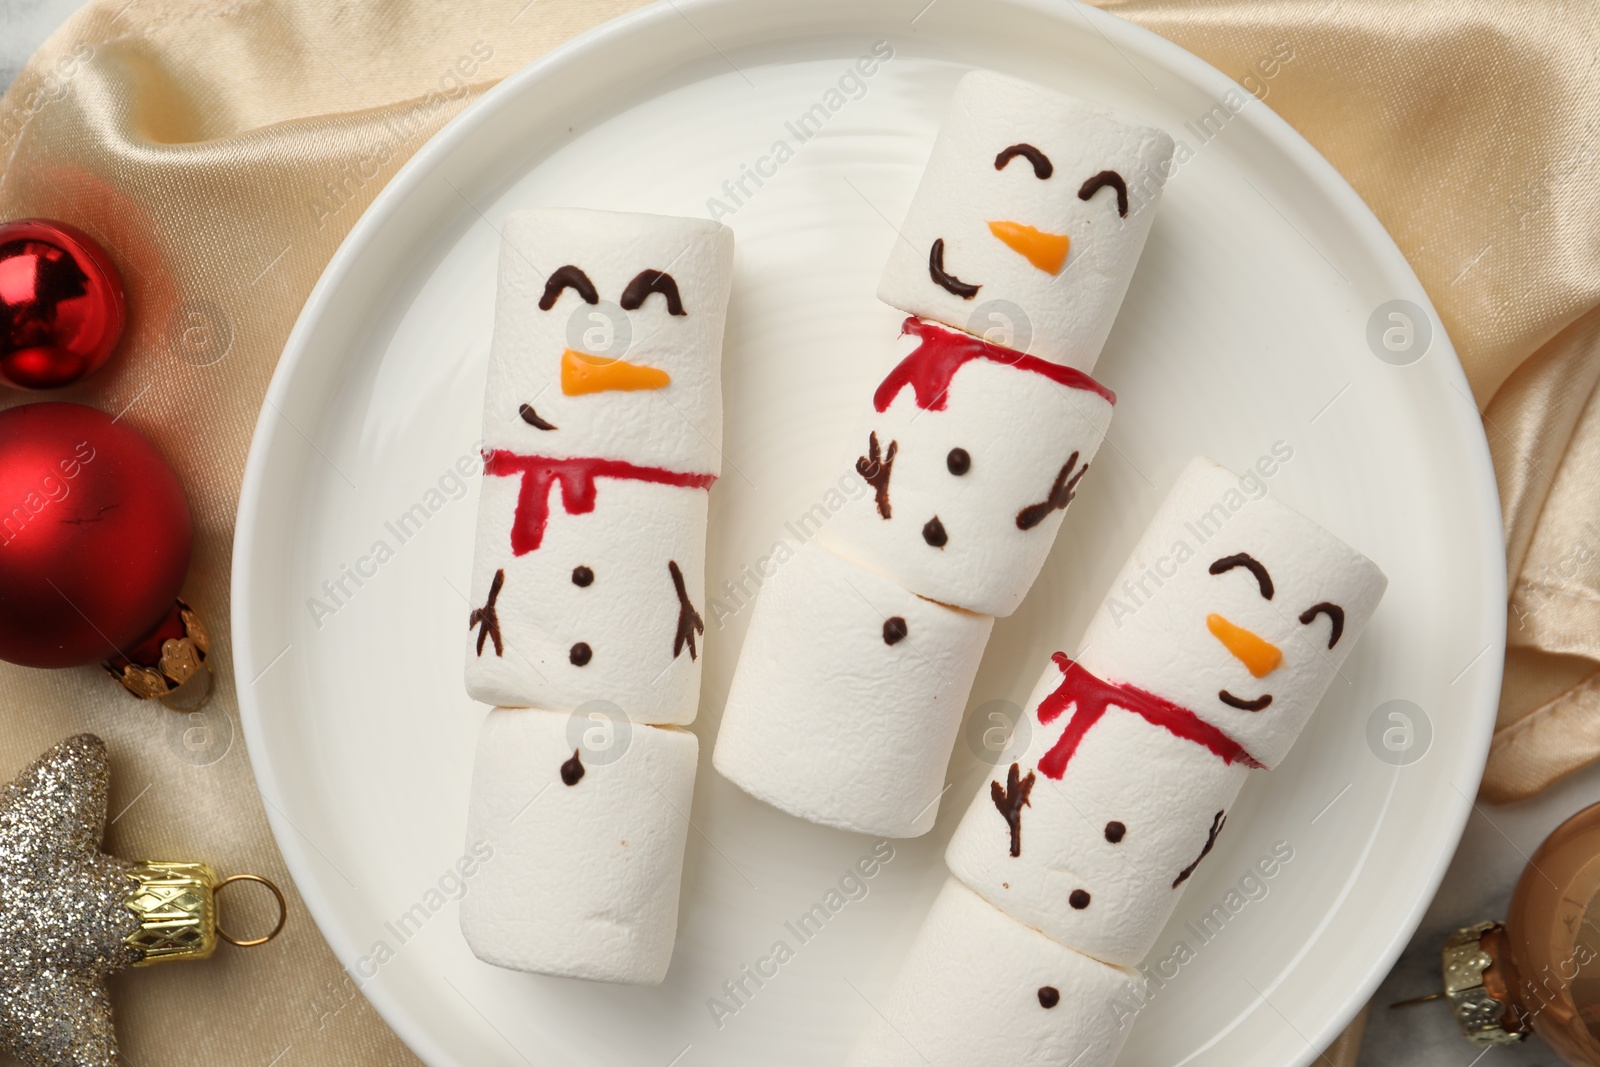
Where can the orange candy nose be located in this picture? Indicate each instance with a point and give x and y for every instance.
(582, 373)
(1260, 657)
(1047, 251)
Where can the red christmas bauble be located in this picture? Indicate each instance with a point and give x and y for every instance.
(61, 304)
(94, 536)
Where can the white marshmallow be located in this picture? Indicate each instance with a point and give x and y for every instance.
(1018, 430)
(1160, 637)
(1066, 313)
(829, 720)
(617, 636)
(972, 991)
(583, 878)
(677, 426)
(1119, 843)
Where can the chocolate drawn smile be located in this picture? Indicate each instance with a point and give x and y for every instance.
(944, 279)
(1257, 704)
(532, 418)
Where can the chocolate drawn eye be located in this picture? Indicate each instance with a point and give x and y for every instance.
(1250, 563)
(1111, 179)
(1335, 616)
(959, 461)
(1115, 831)
(567, 277)
(1042, 167)
(652, 281)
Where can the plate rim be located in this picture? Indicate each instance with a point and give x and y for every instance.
(434, 154)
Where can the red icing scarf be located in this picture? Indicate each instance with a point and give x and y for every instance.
(931, 365)
(1093, 696)
(577, 478)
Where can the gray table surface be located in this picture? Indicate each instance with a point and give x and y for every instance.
(1497, 843)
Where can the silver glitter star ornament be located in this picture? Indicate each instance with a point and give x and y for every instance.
(70, 914)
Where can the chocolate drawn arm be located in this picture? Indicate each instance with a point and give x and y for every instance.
(1062, 491)
(874, 468)
(1010, 802)
(487, 618)
(1217, 822)
(689, 620)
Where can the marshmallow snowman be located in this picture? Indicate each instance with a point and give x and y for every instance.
(980, 988)
(1031, 216)
(1066, 842)
(602, 428)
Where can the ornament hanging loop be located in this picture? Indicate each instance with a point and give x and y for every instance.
(283, 911)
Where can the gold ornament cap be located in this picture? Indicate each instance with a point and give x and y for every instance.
(170, 664)
(1479, 996)
(175, 905)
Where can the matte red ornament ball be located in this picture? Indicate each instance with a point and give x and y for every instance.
(62, 306)
(94, 535)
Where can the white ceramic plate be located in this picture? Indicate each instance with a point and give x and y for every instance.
(1246, 325)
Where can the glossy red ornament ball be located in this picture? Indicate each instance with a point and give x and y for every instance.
(94, 536)
(62, 307)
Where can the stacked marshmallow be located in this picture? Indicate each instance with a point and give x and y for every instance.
(1019, 247)
(601, 438)
(1217, 642)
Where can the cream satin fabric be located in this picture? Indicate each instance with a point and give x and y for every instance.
(222, 151)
